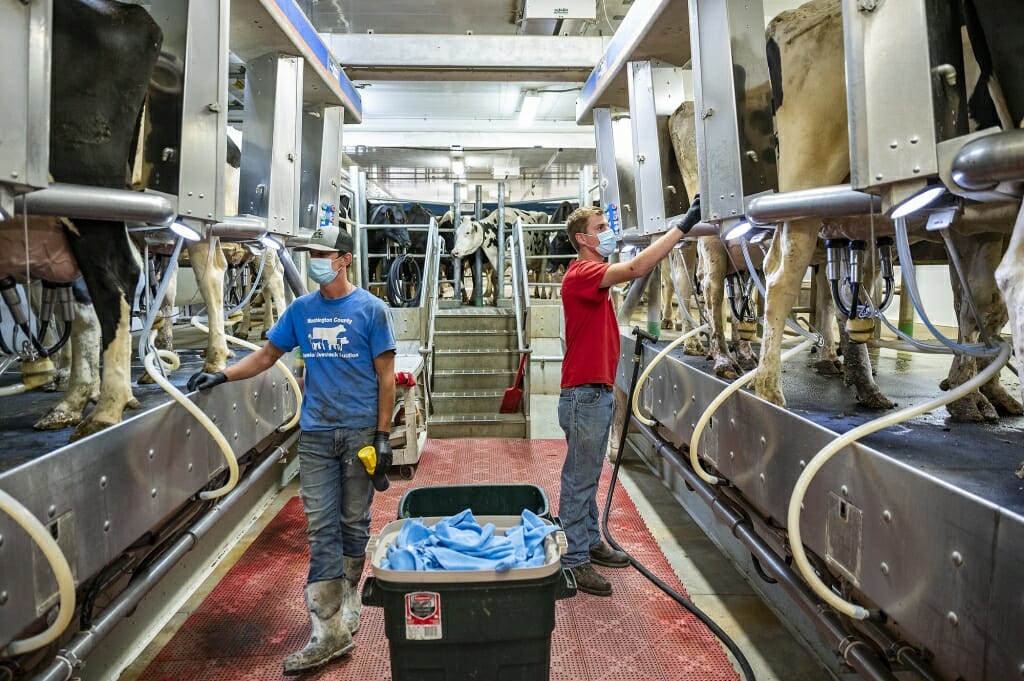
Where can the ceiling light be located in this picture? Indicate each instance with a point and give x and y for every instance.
(270, 242)
(917, 202)
(185, 231)
(528, 111)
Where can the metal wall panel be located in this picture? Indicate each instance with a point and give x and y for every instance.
(647, 170)
(614, 141)
(25, 104)
(271, 147)
(940, 559)
(732, 103)
(106, 491)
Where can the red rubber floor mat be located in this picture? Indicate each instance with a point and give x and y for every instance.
(256, 615)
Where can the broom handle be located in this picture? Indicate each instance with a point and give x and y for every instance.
(519, 372)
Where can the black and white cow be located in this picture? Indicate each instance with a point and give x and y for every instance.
(471, 235)
(103, 56)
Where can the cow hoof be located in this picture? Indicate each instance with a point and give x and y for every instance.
(693, 347)
(1020, 471)
(132, 403)
(973, 408)
(89, 427)
(58, 419)
(828, 367)
(724, 369)
(666, 324)
(875, 401)
(146, 379)
(1005, 404)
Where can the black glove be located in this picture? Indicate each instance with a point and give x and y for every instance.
(692, 216)
(382, 443)
(203, 381)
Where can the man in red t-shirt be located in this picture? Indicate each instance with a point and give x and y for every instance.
(586, 402)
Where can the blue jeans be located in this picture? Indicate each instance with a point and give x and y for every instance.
(336, 494)
(585, 414)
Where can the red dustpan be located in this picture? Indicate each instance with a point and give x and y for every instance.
(514, 395)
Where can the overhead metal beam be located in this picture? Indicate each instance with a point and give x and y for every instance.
(444, 134)
(470, 57)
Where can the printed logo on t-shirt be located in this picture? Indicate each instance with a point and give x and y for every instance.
(330, 340)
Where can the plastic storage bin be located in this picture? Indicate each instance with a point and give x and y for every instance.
(460, 625)
(445, 500)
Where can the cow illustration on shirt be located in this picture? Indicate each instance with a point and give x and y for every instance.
(327, 338)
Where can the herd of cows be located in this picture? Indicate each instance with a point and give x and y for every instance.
(94, 123)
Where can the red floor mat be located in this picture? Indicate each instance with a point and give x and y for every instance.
(256, 615)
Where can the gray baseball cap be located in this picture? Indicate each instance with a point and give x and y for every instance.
(329, 238)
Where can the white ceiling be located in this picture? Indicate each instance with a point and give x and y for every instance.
(453, 72)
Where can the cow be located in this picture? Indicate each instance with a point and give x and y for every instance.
(811, 125)
(379, 241)
(535, 248)
(483, 234)
(103, 54)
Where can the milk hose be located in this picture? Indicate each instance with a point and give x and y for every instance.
(827, 452)
(169, 362)
(61, 571)
(635, 401)
(294, 421)
(741, 660)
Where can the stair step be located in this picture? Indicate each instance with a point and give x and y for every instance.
(455, 380)
(467, 402)
(492, 358)
(475, 319)
(496, 425)
(479, 339)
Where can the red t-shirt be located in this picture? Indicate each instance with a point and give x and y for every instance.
(591, 330)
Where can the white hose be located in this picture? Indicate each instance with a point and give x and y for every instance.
(15, 389)
(294, 421)
(717, 402)
(170, 363)
(650, 367)
(827, 452)
(61, 571)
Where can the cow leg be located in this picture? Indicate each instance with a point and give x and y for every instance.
(979, 254)
(667, 296)
(715, 259)
(683, 267)
(84, 379)
(209, 265)
(1010, 280)
(828, 363)
(273, 292)
(787, 261)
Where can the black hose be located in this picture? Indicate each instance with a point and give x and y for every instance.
(741, 660)
(403, 275)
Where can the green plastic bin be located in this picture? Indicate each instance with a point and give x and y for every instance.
(499, 499)
(469, 625)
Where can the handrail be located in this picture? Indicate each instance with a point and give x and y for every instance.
(520, 286)
(429, 302)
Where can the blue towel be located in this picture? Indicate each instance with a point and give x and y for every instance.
(460, 543)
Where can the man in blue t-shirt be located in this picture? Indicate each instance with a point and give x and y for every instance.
(348, 346)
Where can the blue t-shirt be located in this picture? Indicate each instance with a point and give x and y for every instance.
(339, 340)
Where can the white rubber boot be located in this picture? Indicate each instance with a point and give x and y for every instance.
(351, 603)
(329, 638)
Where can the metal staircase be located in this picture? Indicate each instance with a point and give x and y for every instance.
(473, 354)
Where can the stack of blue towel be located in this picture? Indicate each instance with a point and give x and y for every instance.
(460, 543)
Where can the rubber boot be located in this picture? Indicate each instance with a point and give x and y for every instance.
(351, 603)
(329, 638)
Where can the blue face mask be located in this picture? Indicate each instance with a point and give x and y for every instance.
(321, 270)
(606, 243)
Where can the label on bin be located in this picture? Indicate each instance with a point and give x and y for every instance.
(422, 616)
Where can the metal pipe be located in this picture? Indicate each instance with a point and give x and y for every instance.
(96, 203)
(633, 296)
(855, 651)
(291, 273)
(239, 228)
(698, 230)
(985, 162)
(72, 656)
(835, 201)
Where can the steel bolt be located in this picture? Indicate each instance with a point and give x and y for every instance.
(845, 491)
(3, 597)
(1, 540)
(886, 516)
(188, 432)
(52, 511)
(803, 464)
(152, 453)
(14, 174)
(103, 482)
(885, 568)
(952, 618)
(190, 467)
(152, 492)
(764, 441)
(958, 559)
(106, 526)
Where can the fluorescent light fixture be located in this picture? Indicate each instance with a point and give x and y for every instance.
(528, 111)
(917, 202)
(738, 231)
(458, 167)
(185, 231)
(270, 242)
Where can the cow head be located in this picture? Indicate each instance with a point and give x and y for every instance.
(469, 236)
(385, 214)
(560, 251)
